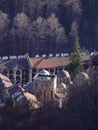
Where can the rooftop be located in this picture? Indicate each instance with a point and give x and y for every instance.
(52, 62)
(5, 80)
(21, 63)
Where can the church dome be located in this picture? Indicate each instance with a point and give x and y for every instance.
(44, 72)
(63, 73)
(82, 76)
(61, 85)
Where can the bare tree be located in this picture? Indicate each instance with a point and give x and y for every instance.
(4, 25)
(20, 31)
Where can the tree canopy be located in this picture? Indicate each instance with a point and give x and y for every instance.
(76, 60)
(61, 17)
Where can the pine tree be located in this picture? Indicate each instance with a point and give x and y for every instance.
(76, 60)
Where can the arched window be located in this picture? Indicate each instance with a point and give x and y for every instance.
(5, 72)
(11, 72)
(18, 72)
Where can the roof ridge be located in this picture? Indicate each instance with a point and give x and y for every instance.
(38, 62)
(17, 66)
(28, 60)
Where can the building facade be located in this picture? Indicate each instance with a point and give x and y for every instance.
(18, 70)
(47, 89)
(44, 86)
(22, 69)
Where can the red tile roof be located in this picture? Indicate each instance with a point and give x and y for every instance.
(33, 100)
(52, 62)
(6, 80)
(40, 63)
(35, 61)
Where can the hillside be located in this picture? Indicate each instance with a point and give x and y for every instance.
(45, 26)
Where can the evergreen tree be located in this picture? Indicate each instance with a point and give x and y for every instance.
(76, 60)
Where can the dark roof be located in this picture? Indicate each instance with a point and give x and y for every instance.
(29, 87)
(14, 88)
(16, 93)
(95, 59)
(21, 63)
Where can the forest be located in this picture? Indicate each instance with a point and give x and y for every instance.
(47, 26)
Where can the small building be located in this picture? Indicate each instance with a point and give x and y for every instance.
(16, 93)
